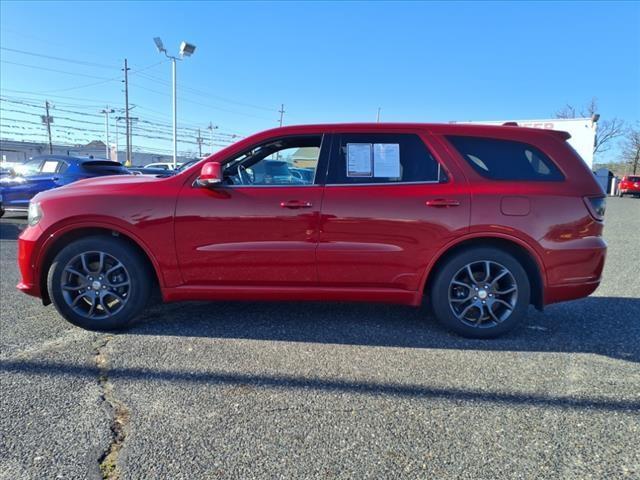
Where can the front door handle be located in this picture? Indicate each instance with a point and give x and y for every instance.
(442, 203)
(296, 204)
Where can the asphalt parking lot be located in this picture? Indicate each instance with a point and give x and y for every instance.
(276, 390)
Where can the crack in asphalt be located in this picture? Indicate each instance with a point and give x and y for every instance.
(120, 415)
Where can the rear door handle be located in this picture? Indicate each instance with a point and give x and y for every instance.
(442, 203)
(296, 204)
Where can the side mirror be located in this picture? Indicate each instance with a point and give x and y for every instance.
(210, 174)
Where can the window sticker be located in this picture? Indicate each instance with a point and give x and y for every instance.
(49, 166)
(386, 160)
(359, 161)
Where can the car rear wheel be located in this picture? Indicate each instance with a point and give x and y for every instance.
(481, 292)
(99, 283)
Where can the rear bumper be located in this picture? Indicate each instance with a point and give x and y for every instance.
(576, 272)
(570, 291)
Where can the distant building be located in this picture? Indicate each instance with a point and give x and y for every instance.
(12, 151)
(305, 157)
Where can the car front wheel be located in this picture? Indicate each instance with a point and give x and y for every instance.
(481, 292)
(99, 283)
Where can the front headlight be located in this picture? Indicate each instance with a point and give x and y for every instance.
(35, 213)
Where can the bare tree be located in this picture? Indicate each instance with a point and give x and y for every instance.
(608, 130)
(568, 111)
(631, 150)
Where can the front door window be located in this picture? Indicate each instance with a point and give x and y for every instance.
(287, 161)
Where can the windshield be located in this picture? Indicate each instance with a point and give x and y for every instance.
(634, 179)
(186, 165)
(28, 168)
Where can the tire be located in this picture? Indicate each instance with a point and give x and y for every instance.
(99, 283)
(457, 298)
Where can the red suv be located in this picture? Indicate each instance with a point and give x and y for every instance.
(481, 221)
(629, 185)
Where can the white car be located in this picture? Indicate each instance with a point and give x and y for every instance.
(162, 165)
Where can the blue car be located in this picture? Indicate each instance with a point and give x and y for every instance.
(49, 171)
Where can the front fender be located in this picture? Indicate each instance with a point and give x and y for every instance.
(162, 259)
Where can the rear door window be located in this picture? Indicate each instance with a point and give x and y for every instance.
(50, 166)
(506, 159)
(386, 158)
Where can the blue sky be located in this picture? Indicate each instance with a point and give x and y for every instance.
(326, 61)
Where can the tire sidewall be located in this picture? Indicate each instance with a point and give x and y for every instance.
(139, 278)
(439, 293)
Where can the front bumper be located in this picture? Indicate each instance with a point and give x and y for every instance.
(27, 262)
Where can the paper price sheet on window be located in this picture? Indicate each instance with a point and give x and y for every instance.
(386, 160)
(373, 160)
(359, 160)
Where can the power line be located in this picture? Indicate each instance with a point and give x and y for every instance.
(104, 81)
(155, 127)
(37, 67)
(155, 124)
(21, 34)
(61, 59)
(207, 95)
(79, 99)
(200, 103)
(91, 134)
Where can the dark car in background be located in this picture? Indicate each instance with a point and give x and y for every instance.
(50, 171)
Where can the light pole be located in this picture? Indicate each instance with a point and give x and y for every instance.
(106, 112)
(186, 50)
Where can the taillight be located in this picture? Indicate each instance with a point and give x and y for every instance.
(596, 206)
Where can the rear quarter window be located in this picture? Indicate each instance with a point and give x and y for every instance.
(499, 159)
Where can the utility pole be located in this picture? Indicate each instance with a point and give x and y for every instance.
(48, 120)
(130, 139)
(281, 113)
(211, 128)
(378, 117)
(199, 140)
(126, 114)
(117, 142)
(106, 112)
